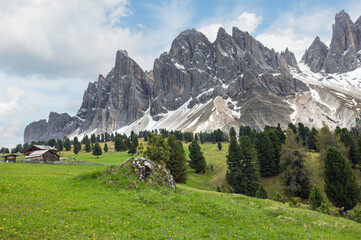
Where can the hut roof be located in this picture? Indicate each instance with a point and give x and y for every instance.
(46, 147)
(13, 154)
(36, 153)
(39, 153)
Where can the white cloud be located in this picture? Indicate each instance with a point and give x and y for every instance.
(9, 102)
(12, 130)
(245, 22)
(279, 39)
(297, 30)
(50, 50)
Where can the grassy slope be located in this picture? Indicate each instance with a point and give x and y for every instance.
(48, 201)
(217, 159)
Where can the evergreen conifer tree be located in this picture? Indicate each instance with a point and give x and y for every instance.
(67, 144)
(292, 159)
(311, 139)
(77, 146)
(87, 147)
(219, 146)
(134, 139)
(52, 142)
(105, 147)
(340, 182)
(118, 143)
(197, 162)
(177, 162)
(316, 198)
(234, 158)
(266, 155)
(132, 150)
(276, 144)
(59, 145)
(97, 150)
(326, 138)
(157, 149)
(261, 192)
(232, 132)
(247, 178)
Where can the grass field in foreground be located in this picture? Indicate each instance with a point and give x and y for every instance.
(49, 201)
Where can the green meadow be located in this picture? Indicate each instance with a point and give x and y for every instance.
(44, 201)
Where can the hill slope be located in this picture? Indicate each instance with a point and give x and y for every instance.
(48, 201)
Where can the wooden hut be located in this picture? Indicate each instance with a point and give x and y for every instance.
(45, 156)
(39, 147)
(10, 158)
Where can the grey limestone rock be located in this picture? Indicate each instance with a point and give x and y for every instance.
(343, 54)
(233, 66)
(145, 168)
(315, 55)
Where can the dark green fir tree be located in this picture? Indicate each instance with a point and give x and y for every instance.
(97, 150)
(340, 182)
(177, 162)
(197, 160)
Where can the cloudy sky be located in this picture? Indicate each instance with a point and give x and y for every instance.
(50, 50)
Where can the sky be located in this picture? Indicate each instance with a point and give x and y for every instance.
(50, 50)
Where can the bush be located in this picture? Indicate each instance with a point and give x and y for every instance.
(355, 216)
(261, 192)
(280, 197)
(324, 208)
(316, 198)
(295, 202)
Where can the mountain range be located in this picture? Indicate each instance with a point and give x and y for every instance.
(202, 86)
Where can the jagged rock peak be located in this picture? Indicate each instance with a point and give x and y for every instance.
(185, 44)
(315, 55)
(341, 16)
(290, 58)
(341, 56)
(122, 53)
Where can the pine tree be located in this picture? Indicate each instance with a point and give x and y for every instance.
(292, 159)
(232, 132)
(326, 138)
(59, 145)
(311, 139)
(67, 144)
(76, 149)
(105, 147)
(157, 149)
(132, 149)
(248, 181)
(97, 150)
(234, 158)
(87, 147)
(52, 142)
(197, 162)
(316, 198)
(219, 146)
(340, 182)
(177, 162)
(118, 143)
(77, 145)
(134, 139)
(266, 155)
(261, 192)
(276, 144)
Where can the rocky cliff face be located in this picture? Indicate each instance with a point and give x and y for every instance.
(57, 127)
(315, 55)
(202, 86)
(344, 53)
